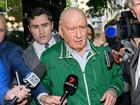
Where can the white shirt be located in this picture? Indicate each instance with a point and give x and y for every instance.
(137, 74)
(81, 60)
(40, 48)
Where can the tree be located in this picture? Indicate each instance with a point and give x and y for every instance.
(97, 6)
(15, 9)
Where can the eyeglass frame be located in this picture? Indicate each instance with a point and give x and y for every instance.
(3, 30)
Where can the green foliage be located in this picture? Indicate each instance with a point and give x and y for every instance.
(97, 6)
(68, 4)
(15, 9)
(3, 5)
(2, 0)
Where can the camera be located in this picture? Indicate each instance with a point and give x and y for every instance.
(128, 26)
(118, 36)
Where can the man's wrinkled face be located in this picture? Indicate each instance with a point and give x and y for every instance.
(41, 28)
(74, 30)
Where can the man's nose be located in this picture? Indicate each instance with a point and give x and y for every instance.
(41, 30)
(78, 34)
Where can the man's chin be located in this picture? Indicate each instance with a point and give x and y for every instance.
(43, 42)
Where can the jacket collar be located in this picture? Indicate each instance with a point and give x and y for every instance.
(64, 53)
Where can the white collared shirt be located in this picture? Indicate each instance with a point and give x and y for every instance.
(137, 74)
(81, 60)
(40, 48)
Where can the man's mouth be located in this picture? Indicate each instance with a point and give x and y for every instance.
(42, 37)
(79, 40)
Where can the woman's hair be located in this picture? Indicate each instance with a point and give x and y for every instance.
(92, 34)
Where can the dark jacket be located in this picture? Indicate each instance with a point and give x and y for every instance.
(3, 82)
(135, 93)
(12, 58)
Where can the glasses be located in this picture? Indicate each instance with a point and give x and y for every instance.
(3, 30)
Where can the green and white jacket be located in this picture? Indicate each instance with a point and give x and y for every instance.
(93, 82)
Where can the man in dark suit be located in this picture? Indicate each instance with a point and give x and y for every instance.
(40, 25)
(134, 5)
(12, 57)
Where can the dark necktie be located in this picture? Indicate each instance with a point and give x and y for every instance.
(46, 45)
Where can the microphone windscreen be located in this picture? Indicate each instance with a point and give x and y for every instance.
(111, 32)
(71, 84)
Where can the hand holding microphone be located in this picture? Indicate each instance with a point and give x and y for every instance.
(20, 91)
(70, 87)
(31, 80)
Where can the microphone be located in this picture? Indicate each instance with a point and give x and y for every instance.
(31, 80)
(17, 77)
(70, 87)
(129, 50)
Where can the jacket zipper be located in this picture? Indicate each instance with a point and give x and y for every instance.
(85, 81)
(87, 92)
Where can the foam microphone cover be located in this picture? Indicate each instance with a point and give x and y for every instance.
(71, 84)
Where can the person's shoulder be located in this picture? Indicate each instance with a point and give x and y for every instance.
(12, 46)
(103, 50)
(57, 37)
(28, 49)
(54, 50)
(99, 49)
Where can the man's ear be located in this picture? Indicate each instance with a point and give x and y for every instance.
(52, 25)
(134, 14)
(29, 28)
(60, 31)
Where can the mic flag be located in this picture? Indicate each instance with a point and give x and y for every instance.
(31, 80)
(70, 87)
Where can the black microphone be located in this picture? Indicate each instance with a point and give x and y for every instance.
(70, 87)
(31, 81)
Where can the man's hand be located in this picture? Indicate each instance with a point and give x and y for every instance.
(20, 91)
(51, 100)
(99, 42)
(109, 98)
